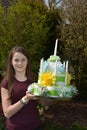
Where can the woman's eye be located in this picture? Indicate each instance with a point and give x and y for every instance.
(16, 60)
(23, 59)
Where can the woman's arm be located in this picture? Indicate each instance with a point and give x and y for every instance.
(10, 109)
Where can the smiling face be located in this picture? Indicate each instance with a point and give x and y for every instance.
(19, 62)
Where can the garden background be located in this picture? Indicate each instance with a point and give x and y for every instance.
(36, 25)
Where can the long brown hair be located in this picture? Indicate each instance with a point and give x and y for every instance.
(10, 70)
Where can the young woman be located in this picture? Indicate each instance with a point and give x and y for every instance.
(19, 106)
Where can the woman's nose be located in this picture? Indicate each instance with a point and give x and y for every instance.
(19, 62)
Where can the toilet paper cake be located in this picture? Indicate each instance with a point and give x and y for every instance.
(53, 79)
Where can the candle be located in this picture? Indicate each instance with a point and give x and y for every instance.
(41, 65)
(66, 73)
(55, 50)
(64, 64)
(55, 70)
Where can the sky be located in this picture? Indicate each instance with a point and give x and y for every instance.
(57, 1)
(46, 1)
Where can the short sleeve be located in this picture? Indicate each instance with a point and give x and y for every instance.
(4, 83)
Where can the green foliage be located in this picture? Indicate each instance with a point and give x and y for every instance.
(29, 24)
(74, 36)
(54, 21)
(48, 126)
(78, 127)
(2, 122)
(24, 25)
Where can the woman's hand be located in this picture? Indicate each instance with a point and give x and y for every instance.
(30, 96)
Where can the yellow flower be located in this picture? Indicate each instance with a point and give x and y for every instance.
(47, 79)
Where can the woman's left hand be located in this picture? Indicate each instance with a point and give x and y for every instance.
(31, 96)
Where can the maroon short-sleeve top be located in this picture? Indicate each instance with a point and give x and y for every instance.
(28, 117)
